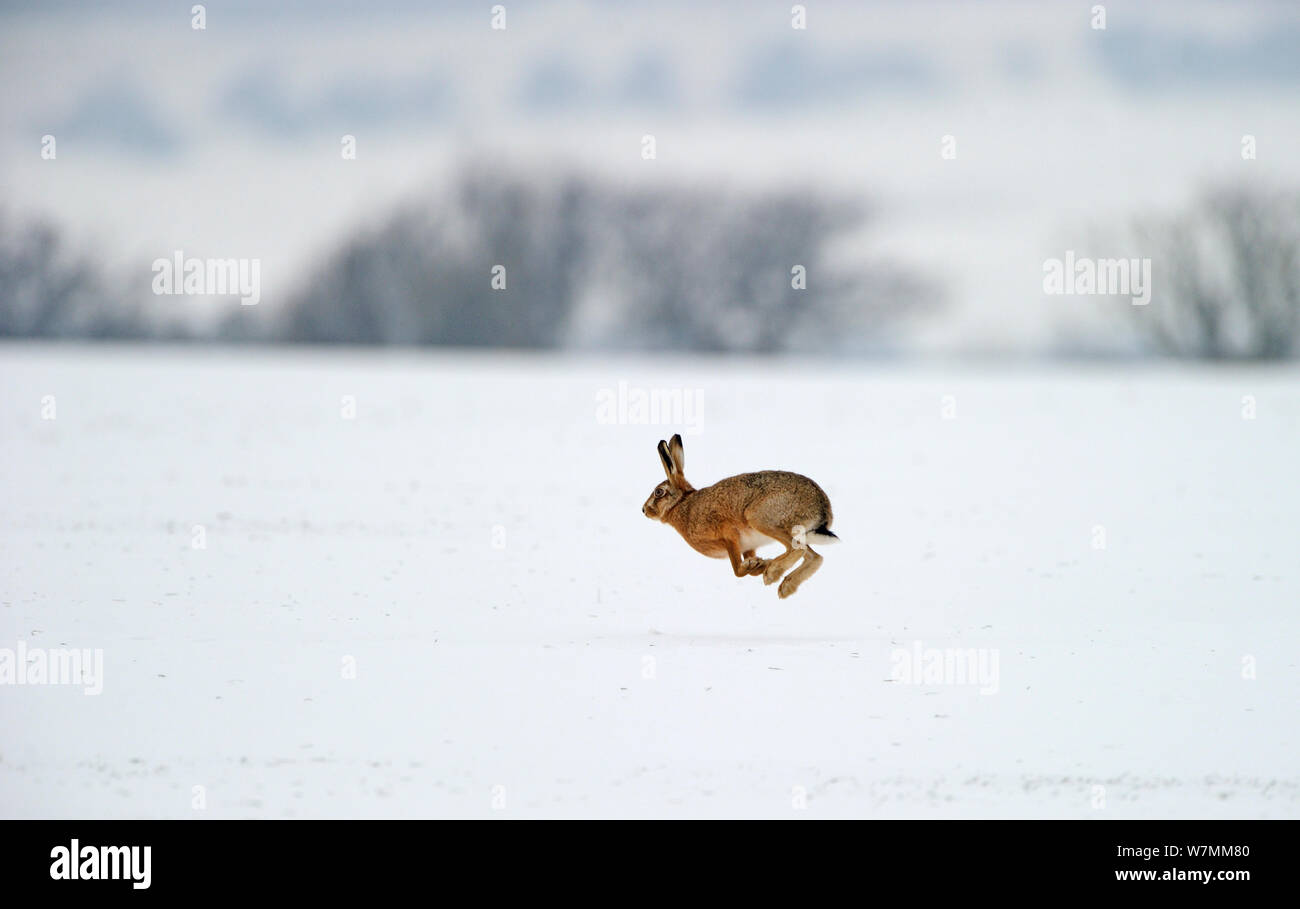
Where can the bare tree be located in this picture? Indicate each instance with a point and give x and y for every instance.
(498, 259)
(47, 290)
(587, 264)
(1226, 276)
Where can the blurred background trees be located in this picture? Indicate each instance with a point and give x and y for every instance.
(49, 290)
(1226, 276)
(565, 261)
(505, 260)
(591, 265)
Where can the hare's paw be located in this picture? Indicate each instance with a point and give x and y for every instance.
(773, 572)
(787, 588)
(754, 565)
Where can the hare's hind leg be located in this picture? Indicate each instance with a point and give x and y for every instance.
(780, 565)
(773, 569)
(811, 562)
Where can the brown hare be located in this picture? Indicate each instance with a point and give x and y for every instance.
(735, 516)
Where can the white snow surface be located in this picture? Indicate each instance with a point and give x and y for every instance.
(527, 644)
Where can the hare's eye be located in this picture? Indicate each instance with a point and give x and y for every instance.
(659, 493)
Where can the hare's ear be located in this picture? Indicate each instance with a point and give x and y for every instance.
(679, 457)
(667, 458)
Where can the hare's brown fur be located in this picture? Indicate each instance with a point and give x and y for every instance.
(734, 516)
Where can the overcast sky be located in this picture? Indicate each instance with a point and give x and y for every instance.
(226, 141)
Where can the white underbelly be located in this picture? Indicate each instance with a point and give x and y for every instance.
(752, 539)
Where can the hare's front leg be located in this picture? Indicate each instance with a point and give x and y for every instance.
(744, 564)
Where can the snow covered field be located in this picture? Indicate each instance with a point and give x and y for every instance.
(1117, 547)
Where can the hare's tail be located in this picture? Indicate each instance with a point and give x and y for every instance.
(822, 535)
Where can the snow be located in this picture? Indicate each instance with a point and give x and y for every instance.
(1119, 540)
